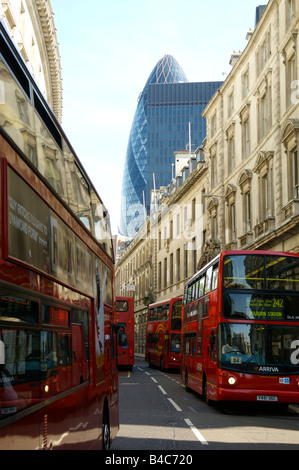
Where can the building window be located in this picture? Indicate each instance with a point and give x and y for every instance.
(264, 121)
(194, 257)
(193, 215)
(186, 260)
(213, 125)
(245, 83)
(230, 197)
(290, 140)
(290, 12)
(214, 228)
(290, 61)
(213, 211)
(230, 138)
(245, 129)
(294, 174)
(171, 270)
(247, 212)
(232, 221)
(213, 167)
(230, 104)
(165, 272)
(159, 276)
(178, 265)
(178, 225)
(264, 192)
(264, 169)
(290, 77)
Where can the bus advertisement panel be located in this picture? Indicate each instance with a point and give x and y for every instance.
(163, 334)
(58, 369)
(241, 328)
(125, 331)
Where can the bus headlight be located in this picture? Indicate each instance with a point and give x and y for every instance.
(231, 380)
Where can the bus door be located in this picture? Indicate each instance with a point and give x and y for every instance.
(80, 363)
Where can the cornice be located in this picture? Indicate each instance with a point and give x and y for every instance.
(46, 17)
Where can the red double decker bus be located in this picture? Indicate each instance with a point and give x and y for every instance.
(163, 334)
(125, 331)
(58, 370)
(241, 328)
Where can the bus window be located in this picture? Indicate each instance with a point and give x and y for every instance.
(215, 277)
(13, 308)
(122, 337)
(244, 271)
(194, 291)
(20, 370)
(55, 316)
(121, 306)
(190, 344)
(48, 352)
(175, 342)
(208, 279)
(80, 317)
(282, 273)
(176, 316)
(165, 311)
(64, 352)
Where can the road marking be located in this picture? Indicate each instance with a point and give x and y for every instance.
(162, 390)
(147, 373)
(175, 405)
(192, 409)
(196, 432)
(154, 380)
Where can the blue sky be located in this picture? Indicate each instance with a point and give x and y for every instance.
(109, 48)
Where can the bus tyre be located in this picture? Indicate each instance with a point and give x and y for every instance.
(106, 429)
(186, 381)
(205, 391)
(106, 436)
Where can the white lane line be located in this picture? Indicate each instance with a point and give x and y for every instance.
(196, 432)
(154, 380)
(147, 373)
(175, 405)
(162, 390)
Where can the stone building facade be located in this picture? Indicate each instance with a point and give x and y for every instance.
(31, 26)
(241, 190)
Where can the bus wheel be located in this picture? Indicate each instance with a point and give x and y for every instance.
(186, 381)
(105, 430)
(205, 391)
(106, 436)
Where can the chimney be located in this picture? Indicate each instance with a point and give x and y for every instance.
(234, 57)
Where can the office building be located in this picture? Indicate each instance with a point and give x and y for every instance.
(167, 119)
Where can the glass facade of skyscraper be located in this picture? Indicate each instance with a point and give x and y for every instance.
(171, 110)
(160, 127)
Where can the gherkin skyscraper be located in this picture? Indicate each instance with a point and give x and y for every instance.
(166, 106)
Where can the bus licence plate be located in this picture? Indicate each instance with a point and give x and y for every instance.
(266, 398)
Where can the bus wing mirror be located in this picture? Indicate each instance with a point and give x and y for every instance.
(212, 340)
